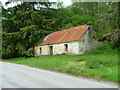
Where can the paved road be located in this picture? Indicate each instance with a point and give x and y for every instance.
(20, 76)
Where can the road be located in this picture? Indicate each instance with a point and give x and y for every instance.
(21, 76)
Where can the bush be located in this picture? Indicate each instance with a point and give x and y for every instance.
(7, 52)
(12, 51)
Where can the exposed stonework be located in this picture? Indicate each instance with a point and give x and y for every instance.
(87, 42)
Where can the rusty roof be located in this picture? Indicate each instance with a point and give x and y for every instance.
(67, 35)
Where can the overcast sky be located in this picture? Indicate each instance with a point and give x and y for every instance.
(66, 2)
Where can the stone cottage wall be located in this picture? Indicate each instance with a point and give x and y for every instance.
(87, 42)
(73, 48)
(44, 50)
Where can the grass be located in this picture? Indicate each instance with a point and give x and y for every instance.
(101, 63)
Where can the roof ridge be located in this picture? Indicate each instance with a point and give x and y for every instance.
(71, 28)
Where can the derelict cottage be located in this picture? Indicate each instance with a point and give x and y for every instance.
(76, 40)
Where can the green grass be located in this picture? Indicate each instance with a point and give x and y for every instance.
(101, 63)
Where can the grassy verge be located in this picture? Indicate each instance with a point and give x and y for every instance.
(101, 63)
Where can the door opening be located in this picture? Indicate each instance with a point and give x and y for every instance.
(40, 50)
(51, 50)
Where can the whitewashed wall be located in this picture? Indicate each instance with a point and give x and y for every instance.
(73, 48)
(44, 50)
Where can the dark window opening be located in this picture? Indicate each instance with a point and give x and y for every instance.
(40, 50)
(66, 47)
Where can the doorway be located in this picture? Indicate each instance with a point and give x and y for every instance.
(51, 50)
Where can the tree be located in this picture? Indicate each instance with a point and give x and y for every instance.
(23, 27)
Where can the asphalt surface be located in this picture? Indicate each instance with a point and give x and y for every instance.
(20, 76)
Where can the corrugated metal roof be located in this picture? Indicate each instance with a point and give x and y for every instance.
(67, 35)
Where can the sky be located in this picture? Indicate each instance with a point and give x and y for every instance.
(66, 2)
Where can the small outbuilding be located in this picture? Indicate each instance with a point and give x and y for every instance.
(76, 40)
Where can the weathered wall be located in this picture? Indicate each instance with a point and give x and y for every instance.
(87, 42)
(73, 48)
(44, 50)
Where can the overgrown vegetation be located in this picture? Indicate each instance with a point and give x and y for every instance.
(101, 63)
(26, 24)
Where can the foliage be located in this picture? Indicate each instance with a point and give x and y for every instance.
(81, 20)
(22, 29)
